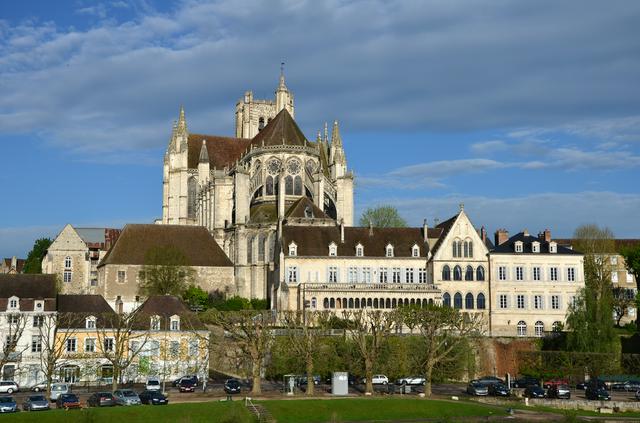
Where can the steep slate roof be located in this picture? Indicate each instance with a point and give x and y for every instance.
(508, 247)
(282, 130)
(195, 242)
(77, 308)
(166, 306)
(263, 213)
(223, 151)
(620, 243)
(297, 209)
(315, 240)
(444, 228)
(27, 286)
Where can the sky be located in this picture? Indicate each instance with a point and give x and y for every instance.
(528, 113)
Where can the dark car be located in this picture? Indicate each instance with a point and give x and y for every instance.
(632, 385)
(193, 378)
(477, 389)
(187, 385)
(533, 391)
(101, 399)
(559, 391)
(232, 386)
(595, 382)
(153, 398)
(35, 403)
(490, 380)
(8, 405)
(524, 381)
(595, 393)
(68, 401)
(499, 390)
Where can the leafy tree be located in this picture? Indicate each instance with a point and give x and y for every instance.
(166, 272)
(589, 319)
(632, 260)
(623, 298)
(196, 297)
(33, 263)
(382, 217)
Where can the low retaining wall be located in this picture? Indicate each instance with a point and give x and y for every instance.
(570, 404)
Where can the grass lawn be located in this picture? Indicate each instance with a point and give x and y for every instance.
(220, 412)
(374, 409)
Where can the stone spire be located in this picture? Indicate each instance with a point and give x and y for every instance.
(335, 135)
(204, 154)
(326, 133)
(284, 98)
(182, 122)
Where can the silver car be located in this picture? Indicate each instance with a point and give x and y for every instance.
(8, 387)
(8, 405)
(35, 403)
(478, 389)
(58, 389)
(126, 397)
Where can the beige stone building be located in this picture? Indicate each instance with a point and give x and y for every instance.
(119, 271)
(533, 281)
(74, 256)
(242, 188)
(12, 265)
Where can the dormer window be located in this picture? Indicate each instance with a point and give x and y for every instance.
(14, 303)
(518, 245)
(359, 250)
(389, 250)
(293, 249)
(308, 212)
(333, 249)
(155, 323)
(90, 322)
(38, 306)
(415, 251)
(553, 247)
(175, 323)
(535, 247)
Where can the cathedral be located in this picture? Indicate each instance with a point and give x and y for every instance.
(244, 188)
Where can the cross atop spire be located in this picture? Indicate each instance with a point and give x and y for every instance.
(282, 86)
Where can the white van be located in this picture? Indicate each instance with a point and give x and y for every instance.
(58, 389)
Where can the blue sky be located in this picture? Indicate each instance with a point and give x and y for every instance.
(527, 112)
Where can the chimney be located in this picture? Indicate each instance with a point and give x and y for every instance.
(342, 230)
(370, 228)
(425, 228)
(545, 235)
(483, 235)
(14, 263)
(501, 236)
(525, 232)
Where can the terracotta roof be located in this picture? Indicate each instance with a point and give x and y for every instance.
(195, 242)
(508, 247)
(282, 130)
(299, 207)
(315, 240)
(166, 306)
(223, 151)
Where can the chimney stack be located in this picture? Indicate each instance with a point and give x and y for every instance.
(370, 228)
(501, 236)
(483, 235)
(425, 228)
(545, 235)
(525, 232)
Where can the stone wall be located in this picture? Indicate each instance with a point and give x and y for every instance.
(499, 356)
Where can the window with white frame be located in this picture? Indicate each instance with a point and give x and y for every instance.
(333, 249)
(38, 321)
(555, 302)
(422, 275)
(90, 345)
(520, 301)
(535, 247)
(13, 319)
(629, 277)
(108, 344)
(539, 328)
(71, 345)
(519, 273)
(194, 345)
(415, 251)
(13, 303)
(293, 249)
(67, 262)
(175, 323)
(352, 275)
(36, 343)
(333, 274)
(553, 273)
(359, 250)
(502, 300)
(614, 277)
(389, 250)
(292, 274)
(90, 322)
(553, 247)
(155, 323)
(66, 276)
(571, 274)
(395, 275)
(614, 260)
(522, 328)
(408, 275)
(121, 276)
(383, 277)
(536, 273)
(518, 245)
(502, 273)
(366, 274)
(537, 302)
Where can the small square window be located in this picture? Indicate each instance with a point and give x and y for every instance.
(121, 276)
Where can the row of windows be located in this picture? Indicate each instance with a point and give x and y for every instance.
(150, 348)
(366, 275)
(536, 301)
(462, 249)
(333, 250)
(292, 185)
(468, 273)
(381, 303)
(469, 303)
(614, 277)
(521, 328)
(521, 273)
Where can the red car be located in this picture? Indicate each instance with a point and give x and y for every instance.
(187, 385)
(68, 401)
(554, 382)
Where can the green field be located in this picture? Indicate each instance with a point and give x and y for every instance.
(374, 409)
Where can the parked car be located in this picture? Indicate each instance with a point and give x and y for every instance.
(153, 384)
(153, 398)
(533, 391)
(8, 387)
(68, 401)
(232, 386)
(193, 378)
(42, 386)
(524, 381)
(35, 403)
(101, 399)
(551, 382)
(595, 382)
(477, 389)
(58, 389)
(490, 380)
(126, 397)
(410, 380)
(302, 380)
(377, 380)
(187, 385)
(8, 405)
(559, 391)
(595, 393)
(499, 390)
(638, 395)
(631, 385)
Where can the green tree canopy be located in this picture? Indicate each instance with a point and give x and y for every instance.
(382, 217)
(166, 272)
(33, 263)
(631, 256)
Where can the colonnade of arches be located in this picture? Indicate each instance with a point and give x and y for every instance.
(469, 302)
(376, 303)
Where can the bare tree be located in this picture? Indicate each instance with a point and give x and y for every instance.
(304, 330)
(12, 348)
(623, 298)
(370, 330)
(442, 330)
(121, 339)
(252, 334)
